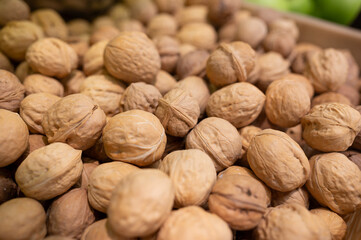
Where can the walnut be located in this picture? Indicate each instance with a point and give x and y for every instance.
(102, 21)
(330, 97)
(229, 63)
(350, 93)
(23, 70)
(13, 10)
(353, 69)
(17, 36)
(125, 141)
(76, 120)
(97, 230)
(93, 58)
(247, 133)
(52, 57)
(178, 112)
(70, 214)
(132, 57)
(11, 91)
(228, 31)
(278, 160)
(331, 127)
(78, 27)
(334, 182)
(283, 25)
(33, 108)
(103, 180)
(298, 196)
(119, 12)
(220, 11)
(104, 33)
(335, 223)
(194, 223)
(142, 10)
(140, 96)
(97, 151)
(192, 64)
(298, 56)
(192, 14)
(37, 83)
(130, 25)
(162, 24)
(168, 49)
(353, 156)
(80, 45)
(73, 82)
(5, 63)
(239, 103)
(88, 168)
(268, 14)
(240, 200)
(22, 218)
(301, 79)
(134, 211)
(186, 48)
(169, 6)
(36, 141)
(296, 133)
(281, 42)
(51, 22)
(353, 224)
(251, 30)
(8, 188)
(164, 82)
(201, 35)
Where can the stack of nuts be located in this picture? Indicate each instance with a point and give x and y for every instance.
(175, 120)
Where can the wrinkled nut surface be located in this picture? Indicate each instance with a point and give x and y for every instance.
(193, 175)
(298, 196)
(162, 25)
(194, 223)
(251, 30)
(247, 133)
(298, 56)
(134, 210)
(37, 83)
(239, 103)
(301, 79)
(132, 57)
(287, 101)
(229, 63)
(240, 200)
(88, 168)
(13, 138)
(330, 97)
(331, 127)
(12, 10)
(22, 218)
(201, 35)
(140, 96)
(105, 91)
(291, 221)
(281, 42)
(5, 63)
(168, 49)
(335, 223)
(11, 91)
(96, 231)
(93, 61)
(164, 82)
(278, 160)
(219, 139)
(51, 22)
(33, 108)
(52, 57)
(103, 180)
(72, 82)
(75, 120)
(192, 63)
(334, 182)
(49, 171)
(135, 137)
(178, 112)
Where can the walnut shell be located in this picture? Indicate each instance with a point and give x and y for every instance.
(192, 14)
(278, 160)
(51, 22)
(301, 79)
(247, 133)
(22, 218)
(103, 180)
(8, 188)
(353, 225)
(14, 137)
(130, 25)
(142, 10)
(140, 96)
(334, 182)
(37, 83)
(169, 6)
(76, 120)
(162, 24)
(298, 56)
(220, 11)
(240, 200)
(351, 93)
(125, 141)
(168, 49)
(335, 223)
(96, 231)
(97, 151)
(190, 189)
(49, 171)
(164, 82)
(11, 91)
(201, 35)
(93, 58)
(119, 12)
(353, 156)
(192, 64)
(52, 57)
(281, 42)
(194, 223)
(178, 112)
(78, 27)
(298, 196)
(104, 33)
(88, 168)
(353, 69)
(12, 10)
(132, 57)
(239, 103)
(330, 97)
(73, 82)
(219, 139)
(36, 141)
(17, 36)
(251, 30)
(331, 127)
(23, 70)
(5, 63)
(134, 211)
(283, 25)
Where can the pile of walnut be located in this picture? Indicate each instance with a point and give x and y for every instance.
(175, 120)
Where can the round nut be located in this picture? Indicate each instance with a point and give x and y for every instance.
(164, 82)
(251, 30)
(353, 156)
(335, 223)
(72, 82)
(283, 25)
(88, 168)
(93, 59)
(49, 171)
(11, 91)
(23, 70)
(126, 141)
(351, 93)
(132, 57)
(134, 211)
(119, 12)
(280, 42)
(142, 10)
(301, 79)
(201, 35)
(78, 27)
(192, 64)
(330, 97)
(220, 11)
(104, 33)
(298, 56)
(168, 49)
(51, 22)
(169, 6)
(5, 63)
(97, 230)
(299, 196)
(37, 83)
(247, 133)
(162, 24)
(192, 14)
(278, 160)
(12, 10)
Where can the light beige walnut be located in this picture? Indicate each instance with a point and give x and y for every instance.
(11, 91)
(186, 48)
(33, 107)
(105, 91)
(298, 196)
(93, 58)
(52, 57)
(103, 180)
(192, 63)
(119, 12)
(164, 82)
(194, 223)
(247, 133)
(12, 10)
(132, 57)
(17, 36)
(200, 35)
(104, 33)
(334, 182)
(51, 22)
(142, 10)
(251, 30)
(192, 14)
(298, 56)
(162, 24)
(334, 222)
(193, 175)
(301, 79)
(76, 120)
(239, 103)
(22, 219)
(351, 93)
(36, 141)
(278, 160)
(135, 137)
(70, 214)
(98, 230)
(280, 42)
(134, 210)
(230, 63)
(101, 21)
(168, 48)
(169, 6)
(291, 221)
(140, 96)
(5, 63)
(178, 112)
(37, 83)
(330, 97)
(72, 82)
(23, 70)
(331, 127)
(13, 138)
(49, 171)
(88, 168)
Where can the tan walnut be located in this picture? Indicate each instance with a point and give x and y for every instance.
(334, 222)
(11, 91)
